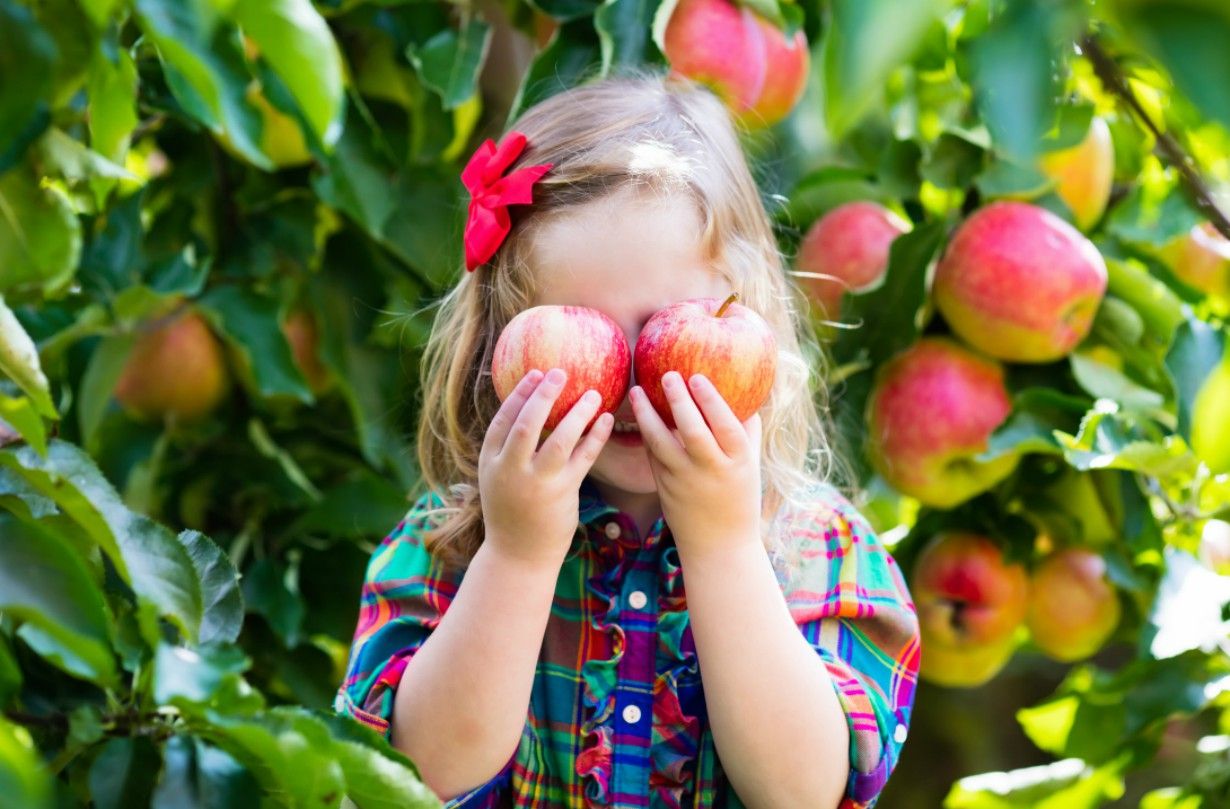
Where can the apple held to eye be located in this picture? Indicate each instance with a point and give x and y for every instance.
(584, 343)
(731, 345)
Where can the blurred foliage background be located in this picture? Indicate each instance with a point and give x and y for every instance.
(222, 228)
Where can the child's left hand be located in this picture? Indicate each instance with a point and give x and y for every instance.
(709, 475)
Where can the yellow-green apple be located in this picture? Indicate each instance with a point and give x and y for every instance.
(1210, 421)
(176, 371)
(1083, 174)
(301, 333)
(586, 344)
(931, 411)
(1201, 258)
(849, 247)
(1019, 283)
(727, 342)
(1073, 609)
(720, 45)
(970, 602)
(786, 65)
(1091, 501)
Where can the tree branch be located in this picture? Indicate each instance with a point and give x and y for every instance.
(1168, 148)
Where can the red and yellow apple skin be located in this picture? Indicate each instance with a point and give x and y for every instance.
(301, 334)
(731, 345)
(1072, 609)
(970, 603)
(932, 409)
(850, 245)
(720, 45)
(787, 62)
(176, 372)
(1201, 258)
(1020, 284)
(586, 344)
(1083, 174)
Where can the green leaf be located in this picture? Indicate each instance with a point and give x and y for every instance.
(1037, 415)
(24, 779)
(1013, 83)
(377, 776)
(1196, 351)
(363, 507)
(296, 41)
(70, 159)
(1007, 178)
(196, 775)
(1067, 784)
(145, 554)
(222, 618)
(889, 313)
(19, 362)
(1156, 304)
(1105, 382)
(272, 590)
(122, 775)
(20, 414)
(40, 236)
(23, 499)
(824, 189)
(1190, 610)
(265, 444)
(10, 675)
(28, 52)
(106, 364)
(208, 676)
(449, 62)
(44, 583)
(953, 162)
(568, 10)
(249, 320)
(625, 30)
(573, 55)
(866, 40)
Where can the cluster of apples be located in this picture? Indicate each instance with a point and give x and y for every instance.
(729, 343)
(747, 61)
(177, 370)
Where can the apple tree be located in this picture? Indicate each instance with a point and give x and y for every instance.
(222, 229)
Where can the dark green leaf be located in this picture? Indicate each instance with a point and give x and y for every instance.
(568, 10)
(24, 779)
(1005, 178)
(364, 507)
(208, 676)
(106, 364)
(44, 583)
(953, 162)
(196, 775)
(1197, 350)
(625, 33)
(826, 188)
(20, 414)
(223, 604)
(249, 320)
(40, 236)
(123, 774)
(10, 675)
(1037, 413)
(449, 62)
(28, 52)
(272, 590)
(573, 55)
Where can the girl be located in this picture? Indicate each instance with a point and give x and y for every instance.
(525, 635)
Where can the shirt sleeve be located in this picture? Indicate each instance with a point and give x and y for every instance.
(405, 592)
(849, 599)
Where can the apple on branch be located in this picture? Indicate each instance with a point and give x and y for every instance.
(846, 250)
(731, 345)
(176, 371)
(1084, 174)
(586, 344)
(1072, 609)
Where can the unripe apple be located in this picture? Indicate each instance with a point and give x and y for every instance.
(786, 64)
(584, 343)
(970, 603)
(1201, 258)
(720, 45)
(850, 244)
(300, 331)
(1083, 174)
(1210, 421)
(176, 371)
(1019, 283)
(730, 344)
(932, 410)
(1073, 609)
(1092, 501)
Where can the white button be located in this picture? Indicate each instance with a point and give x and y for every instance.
(612, 530)
(900, 733)
(638, 600)
(632, 714)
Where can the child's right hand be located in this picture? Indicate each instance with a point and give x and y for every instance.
(531, 495)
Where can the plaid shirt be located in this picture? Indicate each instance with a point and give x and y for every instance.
(617, 715)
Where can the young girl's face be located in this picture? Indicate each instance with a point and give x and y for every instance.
(627, 255)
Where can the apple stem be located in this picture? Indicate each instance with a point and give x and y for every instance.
(734, 296)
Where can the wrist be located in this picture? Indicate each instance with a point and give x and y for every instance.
(727, 547)
(504, 553)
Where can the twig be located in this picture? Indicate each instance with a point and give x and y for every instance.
(1168, 148)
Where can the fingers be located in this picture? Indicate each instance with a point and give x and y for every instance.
(724, 426)
(527, 429)
(697, 437)
(557, 449)
(506, 416)
(586, 453)
(656, 435)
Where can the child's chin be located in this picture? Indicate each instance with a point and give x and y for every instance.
(625, 468)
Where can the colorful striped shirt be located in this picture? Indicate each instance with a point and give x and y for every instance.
(617, 714)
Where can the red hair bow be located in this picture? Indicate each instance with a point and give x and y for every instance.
(491, 193)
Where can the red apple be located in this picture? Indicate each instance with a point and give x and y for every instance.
(932, 409)
(720, 45)
(176, 371)
(583, 342)
(970, 603)
(1073, 609)
(727, 342)
(1019, 283)
(1083, 174)
(849, 245)
(301, 334)
(1201, 258)
(786, 65)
